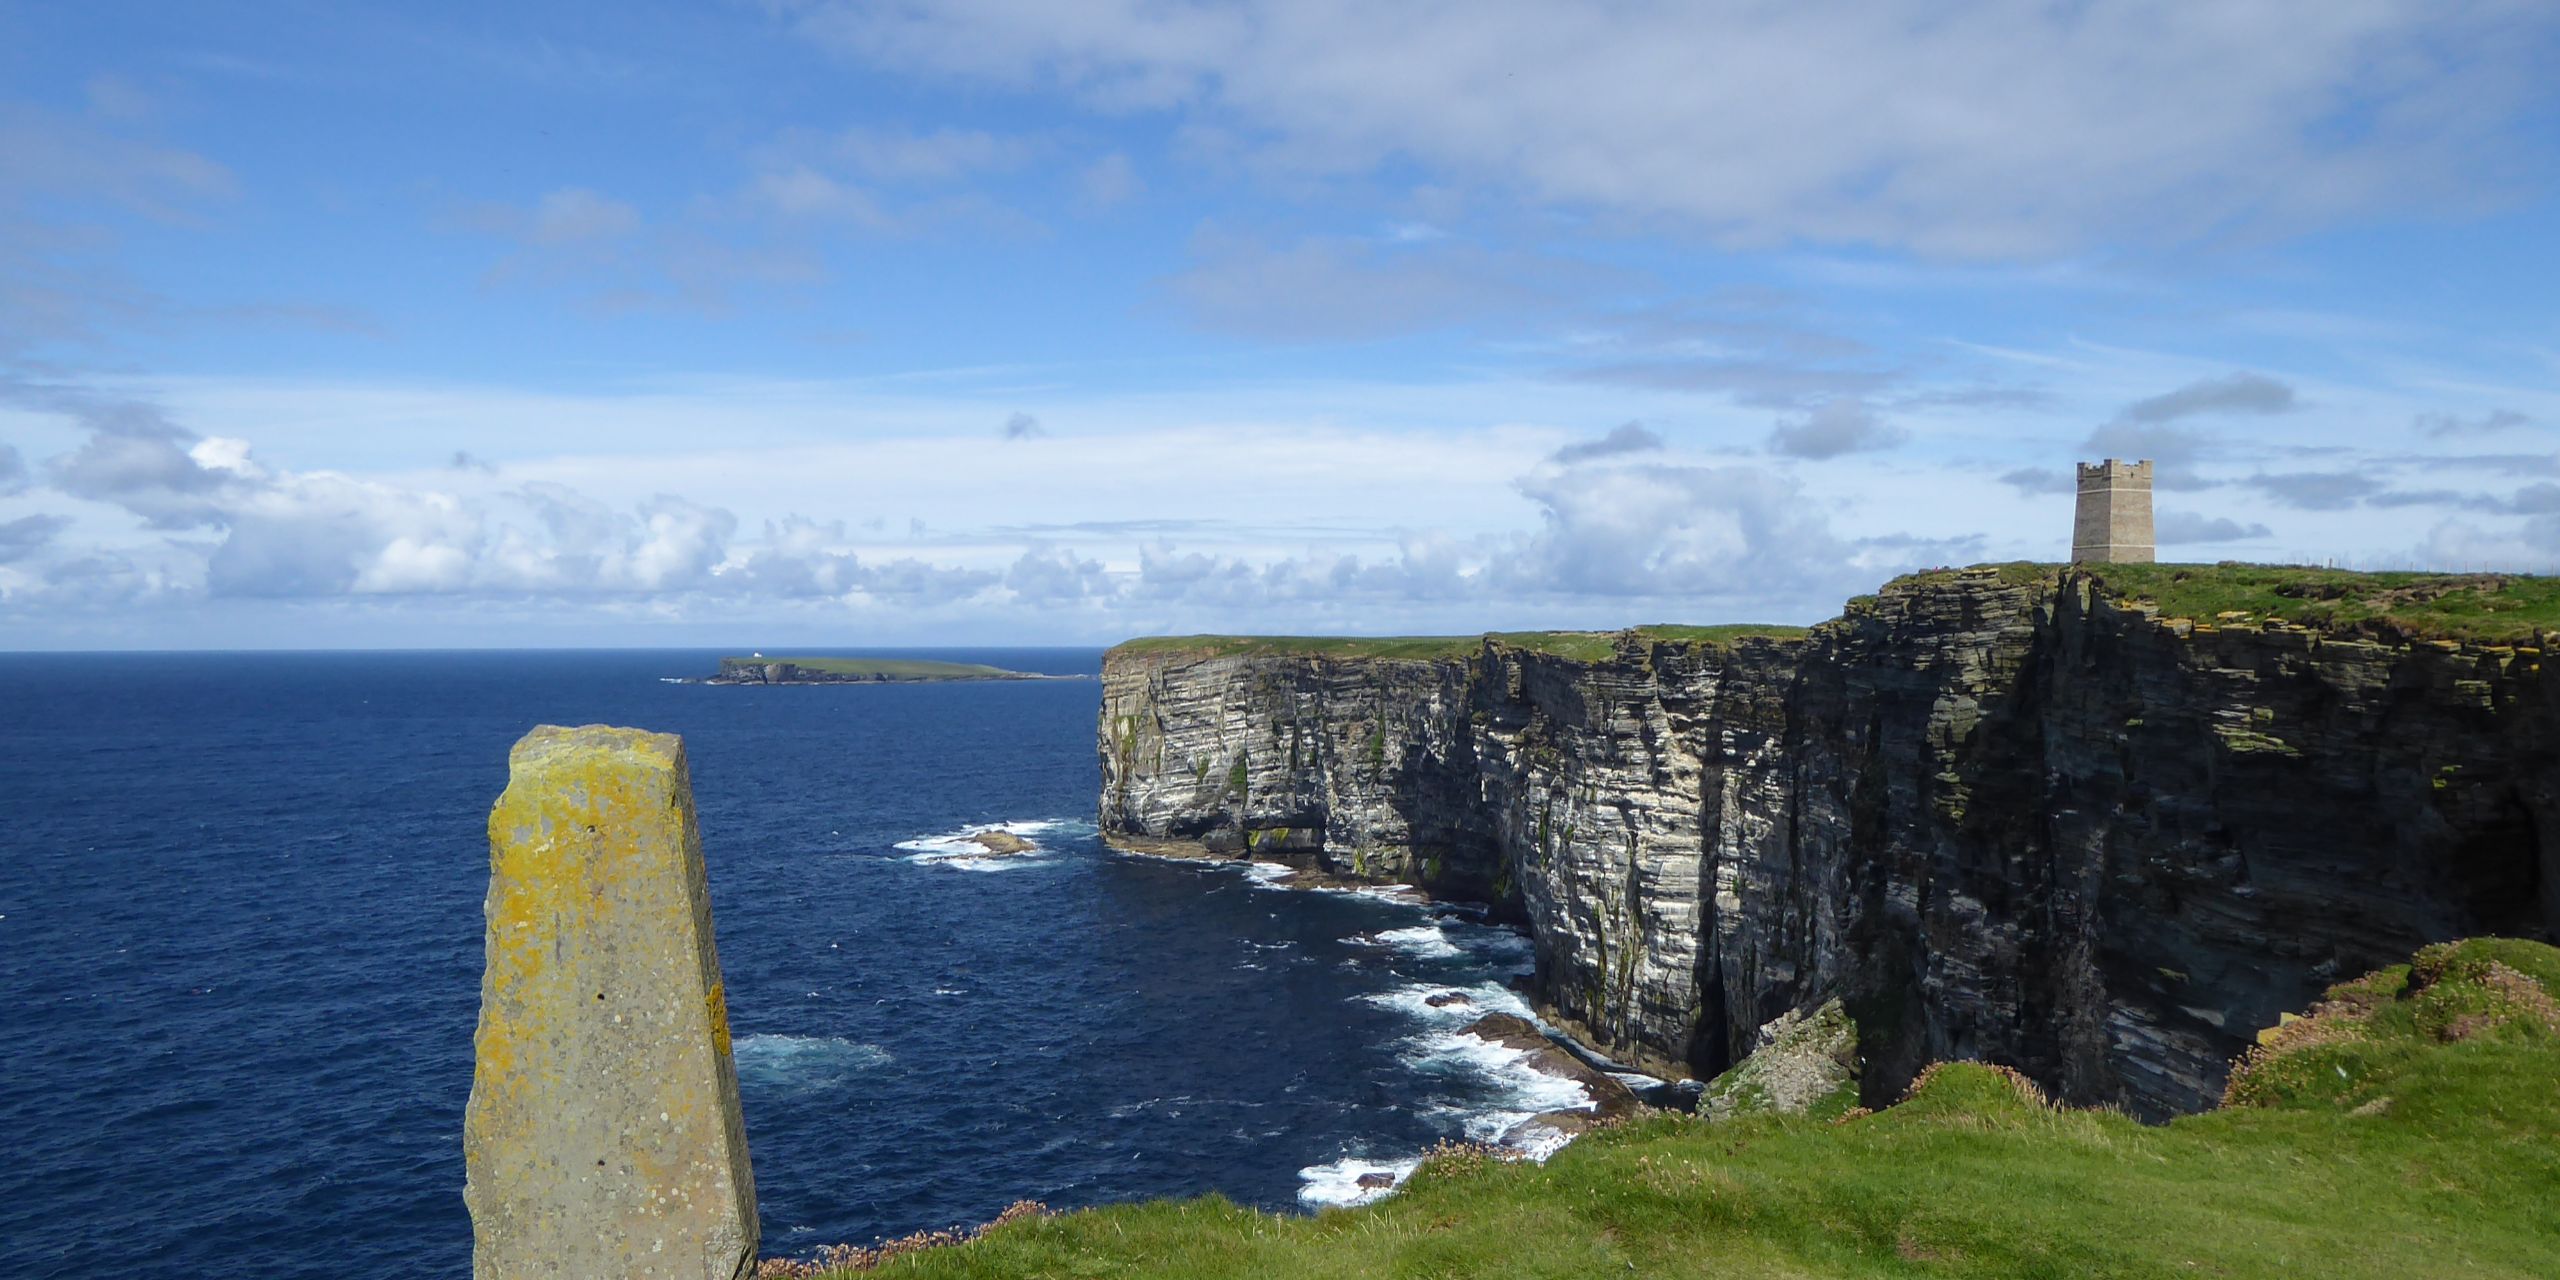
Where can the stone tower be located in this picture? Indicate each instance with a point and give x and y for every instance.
(2114, 521)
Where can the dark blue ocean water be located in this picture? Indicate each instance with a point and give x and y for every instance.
(240, 954)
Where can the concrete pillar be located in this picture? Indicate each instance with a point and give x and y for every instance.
(603, 1138)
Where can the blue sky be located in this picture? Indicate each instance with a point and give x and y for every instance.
(827, 322)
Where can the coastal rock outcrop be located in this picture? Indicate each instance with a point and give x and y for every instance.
(1998, 813)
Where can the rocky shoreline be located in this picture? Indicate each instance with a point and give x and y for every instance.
(1547, 1050)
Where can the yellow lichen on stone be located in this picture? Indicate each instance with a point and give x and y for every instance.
(603, 1136)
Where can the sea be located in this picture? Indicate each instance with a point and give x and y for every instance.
(240, 953)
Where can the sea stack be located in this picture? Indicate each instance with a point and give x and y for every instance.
(603, 1136)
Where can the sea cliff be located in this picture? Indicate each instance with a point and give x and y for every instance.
(2012, 813)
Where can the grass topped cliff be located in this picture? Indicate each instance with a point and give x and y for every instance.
(1587, 646)
(2493, 608)
(2410, 1126)
(2488, 608)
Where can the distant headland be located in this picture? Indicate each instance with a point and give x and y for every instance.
(759, 669)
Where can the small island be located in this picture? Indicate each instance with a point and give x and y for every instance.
(759, 669)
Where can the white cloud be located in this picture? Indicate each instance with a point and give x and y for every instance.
(2177, 528)
(1664, 531)
(1625, 438)
(2001, 128)
(907, 156)
(1328, 288)
(802, 192)
(1832, 428)
(71, 158)
(2495, 420)
(576, 215)
(1108, 183)
(2232, 393)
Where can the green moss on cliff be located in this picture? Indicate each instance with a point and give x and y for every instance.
(2438, 1158)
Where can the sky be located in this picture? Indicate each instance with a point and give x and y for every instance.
(829, 322)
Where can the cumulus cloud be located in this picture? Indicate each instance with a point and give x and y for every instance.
(1625, 438)
(1833, 428)
(1667, 531)
(2446, 424)
(1022, 426)
(1981, 130)
(2174, 528)
(1052, 576)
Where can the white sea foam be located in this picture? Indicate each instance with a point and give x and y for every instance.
(804, 1062)
(1414, 1001)
(1507, 1093)
(1421, 941)
(1517, 1085)
(1398, 893)
(1338, 1183)
(959, 851)
(1268, 875)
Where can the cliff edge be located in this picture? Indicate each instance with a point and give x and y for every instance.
(2046, 817)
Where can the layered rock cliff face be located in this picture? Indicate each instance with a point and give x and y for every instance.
(1994, 812)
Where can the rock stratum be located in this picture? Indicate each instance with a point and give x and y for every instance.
(1998, 814)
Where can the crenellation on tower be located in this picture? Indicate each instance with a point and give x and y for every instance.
(2113, 523)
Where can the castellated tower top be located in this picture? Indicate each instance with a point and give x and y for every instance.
(2113, 524)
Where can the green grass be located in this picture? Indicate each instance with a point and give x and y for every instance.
(2380, 1148)
(1583, 646)
(887, 668)
(2492, 608)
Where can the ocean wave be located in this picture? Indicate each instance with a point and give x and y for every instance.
(1470, 1002)
(1505, 1073)
(1492, 942)
(1421, 941)
(804, 1062)
(1337, 1184)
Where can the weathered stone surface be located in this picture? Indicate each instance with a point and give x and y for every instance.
(603, 1138)
(1997, 814)
(1799, 1060)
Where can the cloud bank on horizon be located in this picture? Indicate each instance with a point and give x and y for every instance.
(832, 321)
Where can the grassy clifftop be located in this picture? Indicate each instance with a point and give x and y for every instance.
(1587, 646)
(2493, 608)
(2488, 608)
(2410, 1126)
